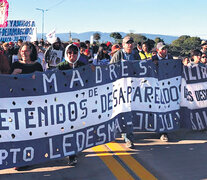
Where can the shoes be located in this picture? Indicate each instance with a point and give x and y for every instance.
(130, 144)
(22, 168)
(164, 137)
(72, 160)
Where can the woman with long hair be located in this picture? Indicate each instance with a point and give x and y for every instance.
(27, 56)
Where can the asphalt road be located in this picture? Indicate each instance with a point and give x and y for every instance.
(183, 158)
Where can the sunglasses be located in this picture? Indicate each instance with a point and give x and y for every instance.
(129, 42)
(72, 52)
(204, 57)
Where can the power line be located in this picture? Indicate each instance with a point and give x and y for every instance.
(56, 4)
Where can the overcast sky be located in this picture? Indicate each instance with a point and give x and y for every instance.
(167, 17)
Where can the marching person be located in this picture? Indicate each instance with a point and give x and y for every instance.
(162, 54)
(102, 57)
(145, 53)
(51, 51)
(114, 49)
(128, 54)
(27, 56)
(72, 56)
(195, 56)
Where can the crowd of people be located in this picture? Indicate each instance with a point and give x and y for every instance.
(28, 57)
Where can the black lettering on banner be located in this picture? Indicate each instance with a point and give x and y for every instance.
(148, 93)
(137, 94)
(121, 96)
(72, 110)
(52, 114)
(60, 113)
(201, 95)
(188, 94)
(115, 98)
(92, 92)
(3, 120)
(103, 103)
(41, 112)
(129, 91)
(83, 107)
(16, 117)
(29, 112)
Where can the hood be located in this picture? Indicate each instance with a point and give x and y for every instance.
(66, 57)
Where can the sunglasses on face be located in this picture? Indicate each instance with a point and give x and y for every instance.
(129, 42)
(204, 56)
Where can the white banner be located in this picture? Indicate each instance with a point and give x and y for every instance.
(18, 29)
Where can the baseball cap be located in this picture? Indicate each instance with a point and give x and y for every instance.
(203, 43)
(127, 39)
(160, 45)
(115, 48)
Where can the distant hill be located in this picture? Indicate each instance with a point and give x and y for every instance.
(106, 36)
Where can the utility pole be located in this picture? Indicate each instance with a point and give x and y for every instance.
(43, 12)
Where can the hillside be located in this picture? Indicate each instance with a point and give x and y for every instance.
(106, 36)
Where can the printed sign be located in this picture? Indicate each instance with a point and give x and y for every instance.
(56, 57)
(18, 29)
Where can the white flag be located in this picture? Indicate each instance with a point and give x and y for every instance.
(51, 36)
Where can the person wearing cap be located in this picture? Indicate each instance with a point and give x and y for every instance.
(162, 53)
(109, 46)
(114, 49)
(127, 52)
(204, 46)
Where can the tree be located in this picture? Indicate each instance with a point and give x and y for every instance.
(137, 37)
(96, 36)
(116, 36)
(140, 38)
(158, 39)
(184, 44)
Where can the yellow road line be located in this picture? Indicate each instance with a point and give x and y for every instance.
(119, 172)
(135, 166)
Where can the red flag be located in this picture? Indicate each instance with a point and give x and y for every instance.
(4, 6)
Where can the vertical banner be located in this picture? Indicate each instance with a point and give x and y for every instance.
(194, 97)
(4, 6)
